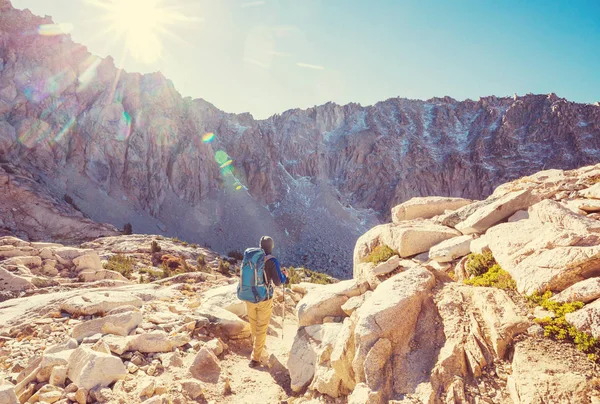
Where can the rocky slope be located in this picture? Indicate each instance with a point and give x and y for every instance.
(406, 329)
(128, 148)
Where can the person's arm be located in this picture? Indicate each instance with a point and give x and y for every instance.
(274, 273)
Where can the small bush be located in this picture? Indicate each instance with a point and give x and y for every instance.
(154, 247)
(127, 229)
(121, 264)
(479, 264)
(236, 255)
(195, 246)
(184, 243)
(495, 277)
(150, 274)
(201, 260)
(223, 267)
(558, 328)
(293, 276)
(173, 263)
(381, 253)
(296, 275)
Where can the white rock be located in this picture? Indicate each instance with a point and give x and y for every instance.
(193, 388)
(355, 302)
(539, 376)
(391, 312)
(388, 266)
(215, 345)
(206, 366)
(118, 324)
(151, 342)
(309, 344)
(327, 301)
(495, 212)
(585, 291)
(231, 324)
(592, 192)
(519, 215)
(226, 298)
(13, 283)
(426, 207)
(553, 249)
(407, 239)
(90, 260)
(7, 393)
(587, 319)
(89, 369)
(99, 302)
(451, 249)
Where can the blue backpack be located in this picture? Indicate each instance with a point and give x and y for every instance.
(253, 287)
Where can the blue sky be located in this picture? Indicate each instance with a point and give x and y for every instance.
(267, 56)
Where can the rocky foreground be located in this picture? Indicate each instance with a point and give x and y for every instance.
(411, 326)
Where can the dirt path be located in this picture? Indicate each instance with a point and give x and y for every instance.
(266, 384)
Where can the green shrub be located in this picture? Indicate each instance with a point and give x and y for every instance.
(296, 275)
(479, 264)
(184, 243)
(127, 229)
(121, 264)
(293, 276)
(495, 277)
(381, 253)
(150, 274)
(558, 328)
(154, 247)
(235, 254)
(201, 260)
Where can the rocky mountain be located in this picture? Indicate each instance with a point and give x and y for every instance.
(128, 148)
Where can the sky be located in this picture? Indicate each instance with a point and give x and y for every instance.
(268, 56)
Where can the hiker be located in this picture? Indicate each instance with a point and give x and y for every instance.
(260, 270)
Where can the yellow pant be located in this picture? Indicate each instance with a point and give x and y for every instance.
(259, 315)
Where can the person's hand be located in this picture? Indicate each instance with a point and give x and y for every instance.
(285, 272)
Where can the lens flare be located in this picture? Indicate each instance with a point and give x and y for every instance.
(64, 130)
(124, 127)
(208, 137)
(227, 163)
(221, 157)
(55, 29)
(141, 23)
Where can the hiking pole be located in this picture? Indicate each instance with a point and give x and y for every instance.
(283, 314)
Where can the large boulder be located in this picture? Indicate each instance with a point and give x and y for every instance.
(498, 210)
(89, 368)
(118, 324)
(7, 393)
(426, 207)
(553, 249)
(587, 319)
(408, 239)
(206, 366)
(391, 313)
(541, 375)
(229, 323)
(226, 298)
(13, 283)
(451, 249)
(592, 192)
(90, 260)
(585, 291)
(327, 301)
(150, 342)
(93, 275)
(99, 302)
(312, 348)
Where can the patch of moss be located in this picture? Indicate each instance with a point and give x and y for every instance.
(479, 264)
(495, 277)
(381, 253)
(121, 264)
(560, 329)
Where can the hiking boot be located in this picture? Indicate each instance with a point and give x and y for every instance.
(254, 363)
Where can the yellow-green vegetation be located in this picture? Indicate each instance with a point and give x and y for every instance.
(479, 264)
(495, 277)
(122, 264)
(236, 254)
(223, 267)
(381, 253)
(150, 274)
(559, 328)
(297, 275)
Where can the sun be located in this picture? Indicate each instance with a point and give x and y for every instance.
(141, 24)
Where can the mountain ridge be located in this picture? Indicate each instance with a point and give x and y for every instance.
(128, 147)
